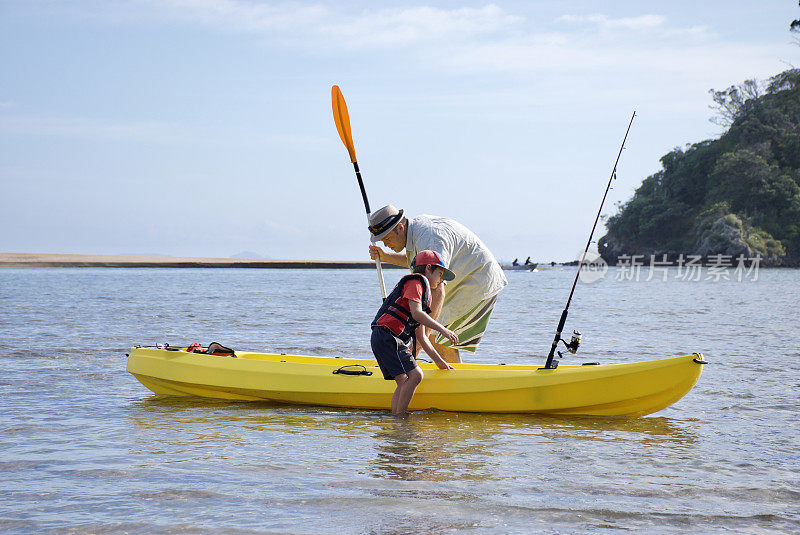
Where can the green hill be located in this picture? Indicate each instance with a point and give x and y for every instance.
(736, 195)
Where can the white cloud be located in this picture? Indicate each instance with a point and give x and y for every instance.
(93, 128)
(146, 131)
(656, 27)
(582, 57)
(477, 40)
(604, 23)
(236, 15)
(319, 25)
(419, 25)
(471, 40)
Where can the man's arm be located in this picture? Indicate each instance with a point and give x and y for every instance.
(398, 259)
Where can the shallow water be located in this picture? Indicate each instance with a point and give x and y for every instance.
(87, 449)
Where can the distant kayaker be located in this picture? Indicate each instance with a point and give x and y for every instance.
(527, 260)
(515, 262)
(400, 321)
(469, 300)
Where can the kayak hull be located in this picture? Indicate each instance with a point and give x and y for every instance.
(634, 389)
(520, 267)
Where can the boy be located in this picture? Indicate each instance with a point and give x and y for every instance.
(400, 321)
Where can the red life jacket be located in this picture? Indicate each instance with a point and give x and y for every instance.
(391, 307)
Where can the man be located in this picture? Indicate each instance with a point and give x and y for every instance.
(467, 304)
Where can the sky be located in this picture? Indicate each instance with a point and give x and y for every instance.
(204, 127)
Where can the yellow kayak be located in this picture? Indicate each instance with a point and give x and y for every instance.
(633, 389)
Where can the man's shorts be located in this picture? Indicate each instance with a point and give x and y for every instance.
(471, 326)
(393, 356)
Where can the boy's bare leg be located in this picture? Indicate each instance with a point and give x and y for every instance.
(406, 386)
(399, 379)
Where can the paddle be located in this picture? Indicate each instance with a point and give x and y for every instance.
(342, 120)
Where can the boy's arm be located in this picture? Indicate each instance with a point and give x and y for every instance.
(421, 317)
(430, 350)
(398, 259)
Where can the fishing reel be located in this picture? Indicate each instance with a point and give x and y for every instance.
(573, 345)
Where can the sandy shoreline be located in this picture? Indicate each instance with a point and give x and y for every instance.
(123, 261)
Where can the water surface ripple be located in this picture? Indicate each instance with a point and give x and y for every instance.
(87, 449)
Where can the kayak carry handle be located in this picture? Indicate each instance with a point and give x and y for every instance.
(345, 371)
(700, 359)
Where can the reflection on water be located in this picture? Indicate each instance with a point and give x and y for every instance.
(426, 446)
(411, 449)
(438, 446)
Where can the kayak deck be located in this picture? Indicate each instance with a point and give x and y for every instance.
(633, 389)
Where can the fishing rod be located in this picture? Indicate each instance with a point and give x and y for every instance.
(573, 344)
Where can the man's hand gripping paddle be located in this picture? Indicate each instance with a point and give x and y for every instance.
(342, 120)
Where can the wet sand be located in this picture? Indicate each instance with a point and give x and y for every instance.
(122, 261)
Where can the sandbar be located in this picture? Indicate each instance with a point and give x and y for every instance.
(133, 261)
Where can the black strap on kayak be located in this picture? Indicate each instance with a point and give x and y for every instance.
(550, 365)
(347, 370)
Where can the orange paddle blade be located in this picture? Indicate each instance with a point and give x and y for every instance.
(342, 120)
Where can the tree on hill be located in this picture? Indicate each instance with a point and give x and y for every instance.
(739, 194)
(733, 101)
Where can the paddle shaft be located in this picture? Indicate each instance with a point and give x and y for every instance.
(366, 206)
(361, 186)
(563, 319)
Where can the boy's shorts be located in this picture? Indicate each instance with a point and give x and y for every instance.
(471, 326)
(393, 356)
